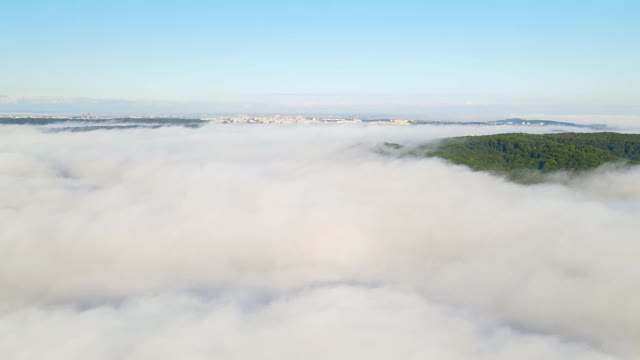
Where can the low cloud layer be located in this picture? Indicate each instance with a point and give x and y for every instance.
(284, 242)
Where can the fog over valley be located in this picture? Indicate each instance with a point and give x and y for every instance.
(235, 241)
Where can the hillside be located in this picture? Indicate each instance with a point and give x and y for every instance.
(545, 153)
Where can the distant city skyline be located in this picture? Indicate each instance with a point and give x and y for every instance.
(419, 59)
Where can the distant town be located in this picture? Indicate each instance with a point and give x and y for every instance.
(292, 119)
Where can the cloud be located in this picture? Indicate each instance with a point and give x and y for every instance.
(236, 241)
(4, 100)
(333, 322)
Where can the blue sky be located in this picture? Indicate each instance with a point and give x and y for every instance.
(350, 56)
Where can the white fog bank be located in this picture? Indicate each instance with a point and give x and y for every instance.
(288, 242)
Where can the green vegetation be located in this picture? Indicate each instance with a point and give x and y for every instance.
(511, 153)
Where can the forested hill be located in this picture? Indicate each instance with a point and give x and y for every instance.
(549, 152)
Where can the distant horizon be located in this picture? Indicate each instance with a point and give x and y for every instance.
(603, 122)
(39, 106)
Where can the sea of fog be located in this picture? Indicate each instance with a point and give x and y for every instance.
(223, 241)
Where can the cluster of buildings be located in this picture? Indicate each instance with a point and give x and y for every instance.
(283, 119)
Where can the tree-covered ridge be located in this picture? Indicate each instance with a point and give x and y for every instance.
(548, 152)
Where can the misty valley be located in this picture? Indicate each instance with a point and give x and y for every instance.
(191, 238)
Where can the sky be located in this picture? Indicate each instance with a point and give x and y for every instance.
(414, 58)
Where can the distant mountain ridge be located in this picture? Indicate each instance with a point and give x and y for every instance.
(519, 121)
(512, 122)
